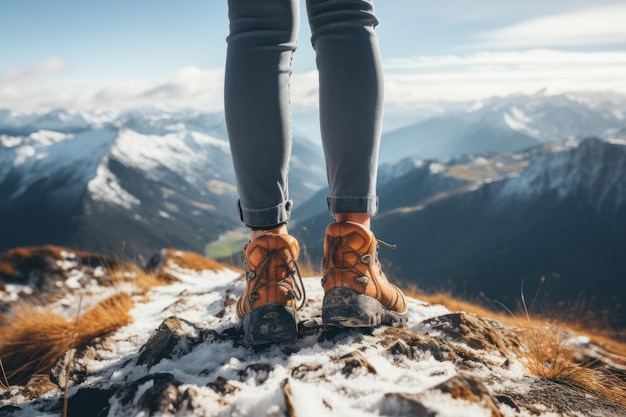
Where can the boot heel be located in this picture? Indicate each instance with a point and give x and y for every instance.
(271, 323)
(348, 308)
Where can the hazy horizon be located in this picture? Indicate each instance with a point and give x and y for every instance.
(77, 55)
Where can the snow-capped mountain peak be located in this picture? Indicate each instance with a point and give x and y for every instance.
(591, 169)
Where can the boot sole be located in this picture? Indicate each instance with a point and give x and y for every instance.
(271, 323)
(346, 307)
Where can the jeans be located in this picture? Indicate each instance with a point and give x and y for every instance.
(261, 43)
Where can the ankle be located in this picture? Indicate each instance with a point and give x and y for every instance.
(280, 230)
(361, 218)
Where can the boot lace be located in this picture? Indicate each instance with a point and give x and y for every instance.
(291, 283)
(365, 258)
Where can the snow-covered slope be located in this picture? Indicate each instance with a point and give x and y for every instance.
(139, 179)
(509, 124)
(553, 117)
(182, 355)
(590, 171)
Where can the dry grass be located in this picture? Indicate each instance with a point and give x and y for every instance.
(4, 383)
(544, 350)
(37, 256)
(131, 273)
(35, 338)
(456, 304)
(9, 258)
(190, 260)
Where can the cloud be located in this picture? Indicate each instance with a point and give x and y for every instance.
(189, 87)
(594, 26)
(45, 68)
(407, 81)
(487, 74)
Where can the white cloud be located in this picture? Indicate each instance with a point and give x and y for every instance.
(482, 75)
(47, 67)
(189, 87)
(408, 81)
(595, 26)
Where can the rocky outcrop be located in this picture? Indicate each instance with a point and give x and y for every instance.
(182, 355)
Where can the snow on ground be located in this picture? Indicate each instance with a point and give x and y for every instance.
(326, 372)
(259, 376)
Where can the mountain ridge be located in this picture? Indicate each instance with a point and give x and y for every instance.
(508, 124)
(125, 183)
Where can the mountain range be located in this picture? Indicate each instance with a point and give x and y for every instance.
(550, 220)
(124, 183)
(515, 200)
(505, 124)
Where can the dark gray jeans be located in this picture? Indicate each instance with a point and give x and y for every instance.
(261, 43)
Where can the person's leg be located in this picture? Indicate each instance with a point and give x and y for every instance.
(256, 103)
(256, 98)
(357, 292)
(351, 100)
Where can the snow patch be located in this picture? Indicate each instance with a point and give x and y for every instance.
(617, 141)
(48, 137)
(105, 187)
(517, 120)
(436, 168)
(11, 141)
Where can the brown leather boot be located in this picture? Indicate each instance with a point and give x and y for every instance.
(274, 290)
(357, 293)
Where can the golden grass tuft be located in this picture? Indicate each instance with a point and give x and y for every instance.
(544, 352)
(34, 338)
(131, 273)
(191, 260)
(454, 304)
(543, 347)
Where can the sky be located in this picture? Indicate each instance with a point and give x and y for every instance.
(119, 53)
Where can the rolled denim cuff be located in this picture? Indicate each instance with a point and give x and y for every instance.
(367, 205)
(265, 218)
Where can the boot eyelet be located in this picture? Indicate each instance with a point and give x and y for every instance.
(363, 280)
(366, 259)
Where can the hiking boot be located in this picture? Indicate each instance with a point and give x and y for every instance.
(274, 290)
(357, 293)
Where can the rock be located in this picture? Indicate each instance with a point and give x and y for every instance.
(353, 361)
(413, 345)
(9, 410)
(460, 387)
(38, 385)
(222, 386)
(562, 400)
(88, 402)
(470, 388)
(259, 371)
(477, 333)
(401, 404)
(157, 394)
(300, 371)
(173, 337)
